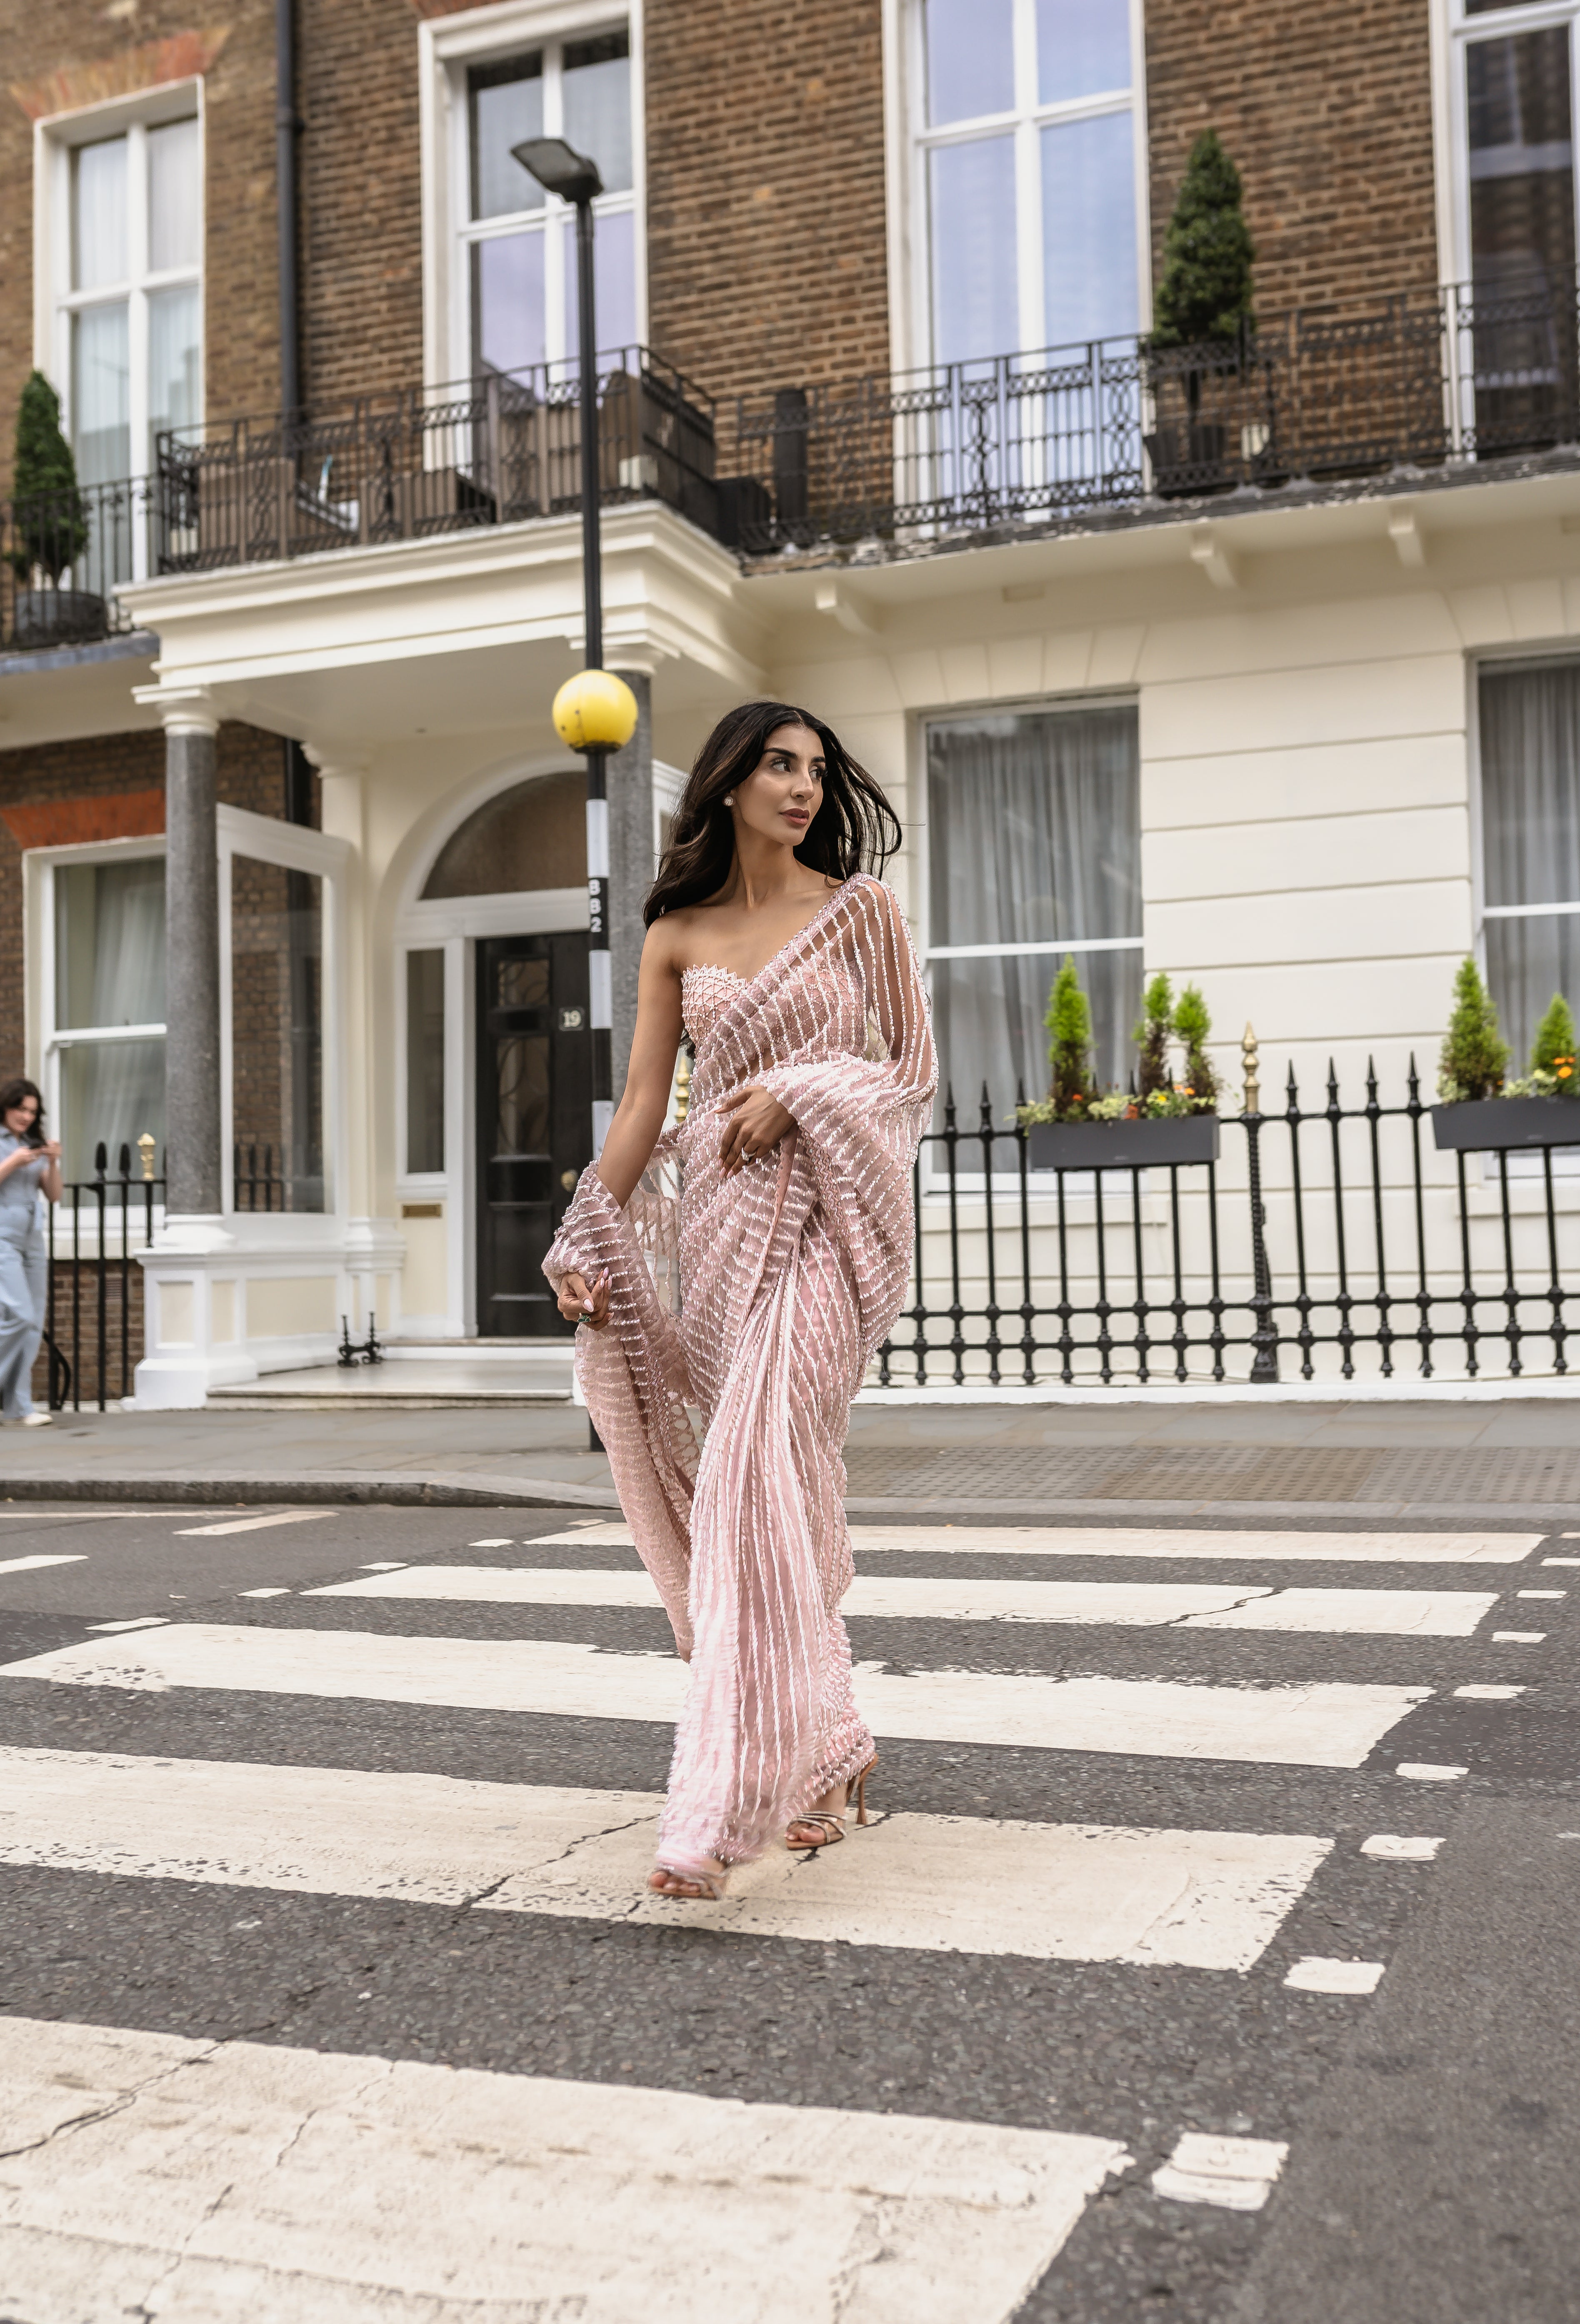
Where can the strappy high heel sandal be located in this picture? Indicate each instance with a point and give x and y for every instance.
(710, 1886)
(830, 1825)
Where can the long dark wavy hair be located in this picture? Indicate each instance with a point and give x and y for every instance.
(856, 829)
(11, 1094)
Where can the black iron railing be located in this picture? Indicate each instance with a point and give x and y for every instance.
(62, 555)
(1333, 1241)
(1310, 398)
(93, 1323)
(427, 461)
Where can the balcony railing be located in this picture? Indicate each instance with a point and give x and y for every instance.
(61, 558)
(1318, 398)
(1307, 398)
(437, 460)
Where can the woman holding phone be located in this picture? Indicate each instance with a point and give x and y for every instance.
(30, 1166)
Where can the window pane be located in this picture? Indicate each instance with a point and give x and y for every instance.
(172, 360)
(101, 394)
(1521, 164)
(1034, 834)
(109, 943)
(970, 59)
(98, 213)
(1083, 49)
(1089, 230)
(277, 1036)
(507, 302)
(507, 104)
(1528, 961)
(111, 1092)
(976, 295)
(532, 835)
(425, 1061)
(175, 206)
(597, 105)
(614, 282)
(1530, 784)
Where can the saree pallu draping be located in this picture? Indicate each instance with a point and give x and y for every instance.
(759, 1299)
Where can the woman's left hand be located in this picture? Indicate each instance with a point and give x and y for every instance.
(753, 1123)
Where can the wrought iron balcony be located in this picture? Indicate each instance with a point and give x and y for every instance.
(1117, 430)
(496, 450)
(1116, 427)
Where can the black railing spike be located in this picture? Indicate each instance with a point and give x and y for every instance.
(1021, 1090)
(101, 1160)
(1413, 1081)
(1293, 1102)
(126, 1159)
(1332, 1087)
(1371, 1080)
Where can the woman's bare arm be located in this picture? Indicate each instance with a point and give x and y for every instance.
(640, 1116)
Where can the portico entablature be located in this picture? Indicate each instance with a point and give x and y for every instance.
(456, 632)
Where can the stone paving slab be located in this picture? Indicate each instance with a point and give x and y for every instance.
(1355, 1462)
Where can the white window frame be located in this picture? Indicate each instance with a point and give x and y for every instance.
(46, 1037)
(293, 848)
(1454, 32)
(910, 140)
(55, 302)
(447, 47)
(935, 1177)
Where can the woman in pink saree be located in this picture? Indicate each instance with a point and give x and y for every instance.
(758, 1293)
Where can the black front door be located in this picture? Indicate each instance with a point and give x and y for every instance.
(534, 1121)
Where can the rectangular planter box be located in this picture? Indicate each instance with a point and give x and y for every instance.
(1482, 1125)
(1123, 1145)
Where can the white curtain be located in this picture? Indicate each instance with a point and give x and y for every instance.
(109, 935)
(1531, 837)
(1034, 836)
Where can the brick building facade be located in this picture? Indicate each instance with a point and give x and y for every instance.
(1262, 590)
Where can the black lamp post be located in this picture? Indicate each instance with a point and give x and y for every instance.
(592, 716)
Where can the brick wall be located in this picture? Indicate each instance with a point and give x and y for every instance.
(76, 1312)
(360, 178)
(250, 774)
(766, 239)
(77, 52)
(1327, 111)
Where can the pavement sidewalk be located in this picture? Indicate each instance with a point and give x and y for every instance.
(1363, 1461)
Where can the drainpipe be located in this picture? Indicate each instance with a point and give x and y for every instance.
(286, 128)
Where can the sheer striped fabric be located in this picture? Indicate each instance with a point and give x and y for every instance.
(789, 1273)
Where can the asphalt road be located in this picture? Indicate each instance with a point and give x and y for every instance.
(194, 1851)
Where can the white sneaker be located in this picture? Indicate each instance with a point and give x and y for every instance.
(38, 1419)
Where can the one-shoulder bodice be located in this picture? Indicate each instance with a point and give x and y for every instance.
(706, 992)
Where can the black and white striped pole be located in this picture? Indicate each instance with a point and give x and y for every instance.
(595, 711)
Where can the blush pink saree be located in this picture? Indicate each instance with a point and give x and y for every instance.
(759, 1299)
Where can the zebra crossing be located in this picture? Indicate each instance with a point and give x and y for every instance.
(156, 2169)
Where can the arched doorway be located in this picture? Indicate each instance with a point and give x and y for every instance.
(532, 1077)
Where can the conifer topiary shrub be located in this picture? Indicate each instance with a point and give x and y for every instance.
(1069, 1048)
(1475, 1052)
(1479, 1109)
(1204, 290)
(46, 506)
(1152, 1035)
(1203, 307)
(1192, 1025)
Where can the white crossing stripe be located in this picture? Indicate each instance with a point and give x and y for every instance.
(1149, 1541)
(1427, 1771)
(1205, 1900)
(194, 2180)
(1236, 2175)
(1328, 1725)
(1315, 1975)
(254, 1525)
(30, 1564)
(1187, 1605)
(1397, 1848)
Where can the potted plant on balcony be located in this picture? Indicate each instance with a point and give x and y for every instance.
(1479, 1109)
(1161, 1120)
(49, 526)
(1202, 321)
